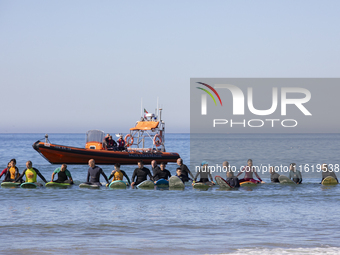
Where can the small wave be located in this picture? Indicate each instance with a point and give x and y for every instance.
(287, 251)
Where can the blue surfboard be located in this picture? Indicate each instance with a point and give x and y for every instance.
(162, 182)
(28, 185)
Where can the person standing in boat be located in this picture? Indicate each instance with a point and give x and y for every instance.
(31, 174)
(295, 174)
(121, 143)
(111, 144)
(64, 175)
(154, 168)
(162, 173)
(250, 170)
(326, 172)
(93, 174)
(118, 174)
(140, 174)
(184, 170)
(106, 138)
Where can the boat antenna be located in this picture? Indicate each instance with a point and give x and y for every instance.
(141, 107)
(157, 109)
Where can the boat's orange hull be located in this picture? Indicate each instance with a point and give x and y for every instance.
(59, 154)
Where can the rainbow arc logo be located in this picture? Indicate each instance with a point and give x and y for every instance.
(204, 97)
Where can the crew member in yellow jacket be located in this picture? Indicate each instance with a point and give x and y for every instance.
(31, 174)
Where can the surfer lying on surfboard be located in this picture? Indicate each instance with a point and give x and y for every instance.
(249, 170)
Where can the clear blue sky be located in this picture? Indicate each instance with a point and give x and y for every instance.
(71, 66)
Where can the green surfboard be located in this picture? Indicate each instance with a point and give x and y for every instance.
(329, 180)
(176, 183)
(10, 184)
(146, 185)
(57, 185)
(285, 180)
(247, 184)
(118, 185)
(201, 185)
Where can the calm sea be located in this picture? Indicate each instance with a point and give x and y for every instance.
(267, 219)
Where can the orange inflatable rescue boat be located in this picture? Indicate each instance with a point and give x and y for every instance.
(149, 127)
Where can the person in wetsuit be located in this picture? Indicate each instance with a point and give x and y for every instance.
(204, 173)
(5, 170)
(118, 174)
(31, 174)
(154, 167)
(64, 175)
(295, 174)
(180, 175)
(249, 169)
(326, 172)
(231, 179)
(162, 173)
(12, 171)
(140, 174)
(185, 170)
(274, 176)
(93, 174)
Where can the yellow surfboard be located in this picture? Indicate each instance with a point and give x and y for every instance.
(329, 180)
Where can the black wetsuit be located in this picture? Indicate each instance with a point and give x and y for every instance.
(204, 175)
(165, 174)
(93, 176)
(8, 175)
(140, 175)
(183, 178)
(185, 171)
(233, 182)
(155, 170)
(274, 177)
(62, 178)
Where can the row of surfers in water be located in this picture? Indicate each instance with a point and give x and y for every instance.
(294, 174)
(141, 173)
(93, 175)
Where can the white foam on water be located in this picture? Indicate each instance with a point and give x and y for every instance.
(293, 251)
